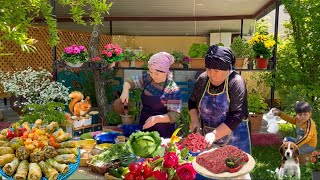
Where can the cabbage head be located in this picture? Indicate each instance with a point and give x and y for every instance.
(145, 144)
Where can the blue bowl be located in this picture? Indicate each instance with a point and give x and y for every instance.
(194, 153)
(108, 137)
(128, 129)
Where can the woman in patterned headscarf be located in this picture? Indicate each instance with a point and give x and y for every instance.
(220, 100)
(161, 97)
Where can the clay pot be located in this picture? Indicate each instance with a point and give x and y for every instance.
(119, 107)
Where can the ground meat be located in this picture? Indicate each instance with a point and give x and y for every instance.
(195, 142)
(215, 161)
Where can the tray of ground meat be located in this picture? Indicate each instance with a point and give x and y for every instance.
(212, 163)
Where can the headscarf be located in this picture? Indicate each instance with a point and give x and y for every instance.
(218, 57)
(161, 61)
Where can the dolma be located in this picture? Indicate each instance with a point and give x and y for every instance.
(6, 150)
(37, 156)
(50, 152)
(4, 159)
(62, 168)
(53, 126)
(66, 158)
(22, 170)
(4, 143)
(35, 172)
(49, 172)
(68, 144)
(64, 137)
(58, 133)
(68, 151)
(11, 167)
(2, 137)
(22, 153)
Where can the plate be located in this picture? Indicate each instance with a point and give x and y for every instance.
(72, 168)
(247, 168)
(104, 146)
(107, 137)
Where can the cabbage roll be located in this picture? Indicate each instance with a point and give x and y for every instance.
(66, 158)
(22, 153)
(50, 152)
(68, 151)
(53, 126)
(2, 137)
(61, 168)
(4, 159)
(35, 172)
(68, 144)
(49, 172)
(22, 170)
(4, 143)
(58, 133)
(6, 150)
(64, 137)
(4, 131)
(10, 168)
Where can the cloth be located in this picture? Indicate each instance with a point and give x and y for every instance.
(306, 133)
(218, 57)
(161, 61)
(213, 112)
(152, 106)
(170, 94)
(238, 107)
(304, 149)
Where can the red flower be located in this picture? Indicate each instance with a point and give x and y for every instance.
(313, 159)
(159, 175)
(186, 171)
(170, 160)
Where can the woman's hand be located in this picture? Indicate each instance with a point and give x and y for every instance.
(151, 121)
(195, 125)
(124, 96)
(210, 138)
(276, 111)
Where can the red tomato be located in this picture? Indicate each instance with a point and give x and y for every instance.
(130, 176)
(135, 168)
(147, 172)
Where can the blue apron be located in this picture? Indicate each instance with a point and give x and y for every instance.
(153, 106)
(213, 112)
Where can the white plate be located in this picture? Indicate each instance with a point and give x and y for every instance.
(247, 168)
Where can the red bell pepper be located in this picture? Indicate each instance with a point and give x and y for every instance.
(235, 169)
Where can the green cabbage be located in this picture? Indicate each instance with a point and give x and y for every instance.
(145, 144)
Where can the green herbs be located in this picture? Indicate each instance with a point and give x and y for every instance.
(198, 50)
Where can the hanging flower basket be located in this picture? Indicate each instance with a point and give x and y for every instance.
(112, 53)
(75, 56)
(79, 64)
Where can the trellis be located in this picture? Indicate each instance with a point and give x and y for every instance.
(42, 57)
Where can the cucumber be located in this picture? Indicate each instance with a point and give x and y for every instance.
(114, 173)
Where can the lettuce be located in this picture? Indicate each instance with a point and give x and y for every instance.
(145, 144)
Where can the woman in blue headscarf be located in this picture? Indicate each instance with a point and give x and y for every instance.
(218, 104)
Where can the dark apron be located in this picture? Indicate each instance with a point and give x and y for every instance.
(153, 106)
(213, 112)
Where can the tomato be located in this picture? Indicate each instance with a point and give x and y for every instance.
(135, 168)
(147, 171)
(236, 169)
(54, 143)
(130, 176)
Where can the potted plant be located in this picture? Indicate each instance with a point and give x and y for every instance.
(197, 53)
(257, 107)
(262, 46)
(113, 118)
(111, 54)
(313, 165)
(186, 60)
(178, 56)
(238, 47)
(32, 87)
(141, 59)
(75, 56)
(128, 58)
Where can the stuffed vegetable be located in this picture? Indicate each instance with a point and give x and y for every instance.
(50, 152)
(49, 172)
(68, 151)
(37, 156)
(53, 126)
(63, 137)
(4, 143)
(22, 170)
(66, 158)
(68, 144)
(35, 172)
(7, 158)
(6, 150)
(61, 168)
(11, 167)
(22, 153)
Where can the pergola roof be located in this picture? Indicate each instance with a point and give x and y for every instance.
(175, 17)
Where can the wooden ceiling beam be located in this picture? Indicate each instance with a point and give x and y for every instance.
(176, 18)
(264, 9)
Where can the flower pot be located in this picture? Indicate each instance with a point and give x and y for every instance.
(124, 64)
(175, 65)
(127, 119)
(262, 63)
(239, 63)
(250, 65)
(197, 63)
(255, 121)
(79, 64)
(139, 64)
(185, 66)
(132, 64)
(315, 175)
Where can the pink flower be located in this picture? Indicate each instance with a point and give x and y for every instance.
(82, 48)
(104, 52)
(313, 160)
(186, 171)
(109, 54)
(76, 50)
(96, 59)
(108, 46)
(170, 160)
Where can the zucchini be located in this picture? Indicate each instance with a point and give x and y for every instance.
(114, 173)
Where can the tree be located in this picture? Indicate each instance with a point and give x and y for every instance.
(16, 17)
